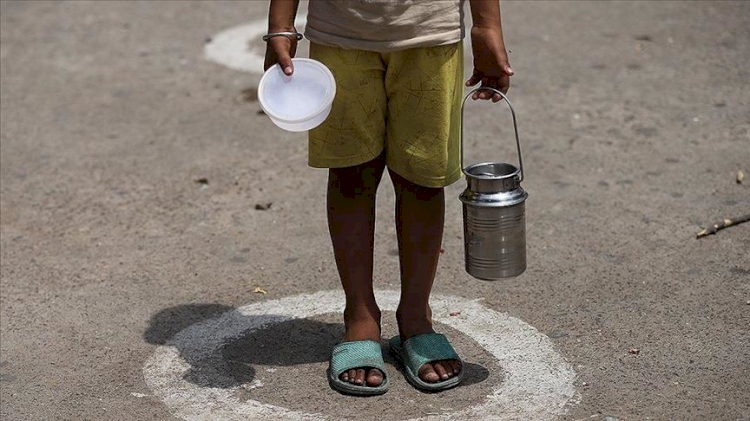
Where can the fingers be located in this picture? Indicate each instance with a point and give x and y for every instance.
(285, 61)
(473, 80)
(485, 82)
(490, 93)
(485, 94)
(280, 50)
(501, 84)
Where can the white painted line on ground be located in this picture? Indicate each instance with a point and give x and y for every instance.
(538, 382)
(232, 47)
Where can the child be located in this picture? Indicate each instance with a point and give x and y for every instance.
(398, 67)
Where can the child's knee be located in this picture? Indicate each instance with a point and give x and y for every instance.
(358, 180)
(403, 185)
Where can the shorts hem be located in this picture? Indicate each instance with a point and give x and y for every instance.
(341, 162)
(431, 182)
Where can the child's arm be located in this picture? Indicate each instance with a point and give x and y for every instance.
(281, 49)
(491, 66)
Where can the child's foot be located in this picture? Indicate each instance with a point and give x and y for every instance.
(435, 371)
(362, 327)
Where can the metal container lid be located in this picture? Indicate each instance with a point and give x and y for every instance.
(492, 177)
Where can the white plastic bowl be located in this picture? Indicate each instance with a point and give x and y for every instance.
(301, 101)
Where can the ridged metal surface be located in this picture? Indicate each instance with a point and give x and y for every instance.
(495, 241)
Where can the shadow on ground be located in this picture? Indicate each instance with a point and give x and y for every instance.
(281, 343)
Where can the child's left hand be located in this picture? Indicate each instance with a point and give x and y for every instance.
(281, 50)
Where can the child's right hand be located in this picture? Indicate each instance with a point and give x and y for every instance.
(281, 50)
(491, 67)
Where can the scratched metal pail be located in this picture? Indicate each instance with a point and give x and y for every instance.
(494, 213)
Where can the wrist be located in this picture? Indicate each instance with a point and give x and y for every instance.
(490, 36)
(292, 35)
(281, 28)
(486, 29)
(486, 23)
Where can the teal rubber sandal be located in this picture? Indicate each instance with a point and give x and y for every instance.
(356, 354)
(421, 349)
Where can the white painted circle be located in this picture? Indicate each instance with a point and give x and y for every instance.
(538, 382)
(233, 47)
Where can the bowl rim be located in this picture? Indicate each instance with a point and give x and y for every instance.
(277, 69)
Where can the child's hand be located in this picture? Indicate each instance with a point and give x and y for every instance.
(491, 66)
(281, 50)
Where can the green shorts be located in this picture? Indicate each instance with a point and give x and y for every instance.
(407, 103)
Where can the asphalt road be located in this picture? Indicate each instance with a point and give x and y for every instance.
(133, 168)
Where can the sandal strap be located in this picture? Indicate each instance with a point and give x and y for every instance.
(426, 348)
(356, 354)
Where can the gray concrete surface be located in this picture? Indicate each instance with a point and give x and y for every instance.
(634, 119)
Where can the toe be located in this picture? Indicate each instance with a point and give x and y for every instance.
(374, 378)
(452, 367)
(456, 367)
(428, 374)
(360, 376)
(440, 369)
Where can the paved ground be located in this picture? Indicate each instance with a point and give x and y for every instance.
(131, 168)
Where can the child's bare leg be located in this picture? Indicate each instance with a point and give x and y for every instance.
(351, 222)
(420, 215)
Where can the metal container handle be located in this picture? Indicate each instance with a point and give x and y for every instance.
(515, 128)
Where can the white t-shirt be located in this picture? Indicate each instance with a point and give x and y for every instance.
(385, 25)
